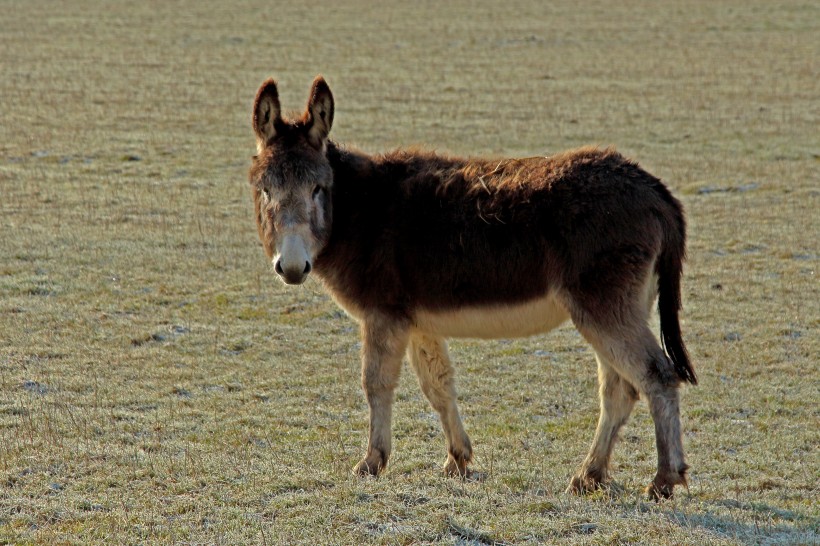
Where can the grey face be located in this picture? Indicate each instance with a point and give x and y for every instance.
(297, 205)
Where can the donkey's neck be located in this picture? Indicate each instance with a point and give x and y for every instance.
(348, 164)
(358, 263)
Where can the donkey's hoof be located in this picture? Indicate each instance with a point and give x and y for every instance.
(364, 469)
(656, 492)
(582, 484)
(465, 473)
(663, 486)
(370, 466)
(456, 467)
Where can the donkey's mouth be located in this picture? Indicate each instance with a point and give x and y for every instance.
(293, 280)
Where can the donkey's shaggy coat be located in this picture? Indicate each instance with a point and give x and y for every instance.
(418, 247)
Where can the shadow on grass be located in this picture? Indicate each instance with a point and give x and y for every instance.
(757, 523)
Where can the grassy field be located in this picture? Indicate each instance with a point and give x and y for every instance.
(158, 384)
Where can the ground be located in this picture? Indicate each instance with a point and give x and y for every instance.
(158, 384)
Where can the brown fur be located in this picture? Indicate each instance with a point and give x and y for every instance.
(408, 233)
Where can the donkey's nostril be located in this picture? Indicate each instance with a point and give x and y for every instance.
(307, 268)
(278, 267)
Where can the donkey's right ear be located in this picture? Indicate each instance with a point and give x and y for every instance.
(266, 113)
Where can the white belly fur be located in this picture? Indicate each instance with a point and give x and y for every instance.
(492, 322)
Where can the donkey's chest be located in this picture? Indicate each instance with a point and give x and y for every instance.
(494, 321)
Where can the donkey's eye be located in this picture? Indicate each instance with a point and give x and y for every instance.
(266, 193)
(316, 191)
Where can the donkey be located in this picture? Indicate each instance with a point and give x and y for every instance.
(418, 247)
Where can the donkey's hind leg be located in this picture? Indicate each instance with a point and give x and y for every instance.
(636, 356)
(428, 357)
(618, 397)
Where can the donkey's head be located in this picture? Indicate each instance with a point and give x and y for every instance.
(292, 180)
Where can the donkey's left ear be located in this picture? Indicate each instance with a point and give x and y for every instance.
(319, 115)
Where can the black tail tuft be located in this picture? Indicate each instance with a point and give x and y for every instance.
(670, 269)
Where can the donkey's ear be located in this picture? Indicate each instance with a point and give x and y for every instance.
(319, 115)
(266, 112)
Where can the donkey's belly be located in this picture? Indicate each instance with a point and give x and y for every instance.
(496, 321)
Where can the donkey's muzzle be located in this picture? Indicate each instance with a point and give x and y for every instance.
(293, 274)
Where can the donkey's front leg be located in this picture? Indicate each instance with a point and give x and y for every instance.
(429, 358)
(384, 340)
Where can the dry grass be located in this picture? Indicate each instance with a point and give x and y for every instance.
(157, 384)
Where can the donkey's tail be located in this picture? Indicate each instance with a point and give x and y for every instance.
(669, 269)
